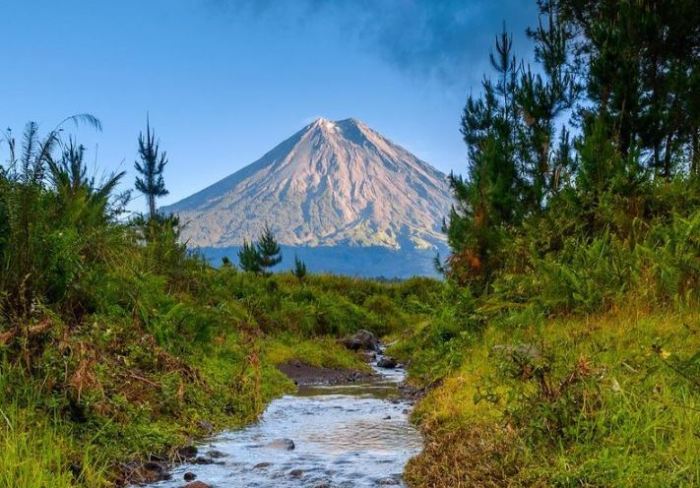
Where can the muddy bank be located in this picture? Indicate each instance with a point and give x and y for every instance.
(306, 375)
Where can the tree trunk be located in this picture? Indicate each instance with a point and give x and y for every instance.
(152, 206)
(695, 156)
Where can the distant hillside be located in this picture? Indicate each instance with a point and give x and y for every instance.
(364, 262)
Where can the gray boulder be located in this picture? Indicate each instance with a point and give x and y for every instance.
(387, 362)
(286, 444)
(362, 340)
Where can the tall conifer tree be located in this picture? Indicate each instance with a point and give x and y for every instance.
(151, 166)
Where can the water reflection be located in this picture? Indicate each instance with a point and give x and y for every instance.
(344, 436)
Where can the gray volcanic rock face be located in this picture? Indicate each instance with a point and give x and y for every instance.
(332, 183)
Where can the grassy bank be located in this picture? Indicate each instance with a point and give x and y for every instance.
(578, 367)
(607, 399)
(575, 361)
(565, 351)
(159, 367)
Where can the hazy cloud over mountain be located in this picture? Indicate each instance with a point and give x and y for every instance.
(444, 39)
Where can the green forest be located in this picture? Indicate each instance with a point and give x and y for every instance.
(562, 347)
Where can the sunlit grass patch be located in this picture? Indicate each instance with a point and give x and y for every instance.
(36, 454)
(602, 400)
(321, 352)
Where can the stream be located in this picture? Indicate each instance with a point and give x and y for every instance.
(346, 436)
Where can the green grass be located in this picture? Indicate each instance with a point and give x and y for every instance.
(35, 454)
(160, 362)
(622, 410)
(321, 352)
(116, 344)
(39, 450)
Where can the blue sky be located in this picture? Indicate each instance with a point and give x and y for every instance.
(226, 80)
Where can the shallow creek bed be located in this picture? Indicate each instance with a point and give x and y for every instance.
(340, 436)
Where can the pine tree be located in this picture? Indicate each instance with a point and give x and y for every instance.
(639, 62)
(268, 250)
(542, 98)
(262, 255)
(299, 268)
(514, 163)
(248, 258)
(153, 162)
(490, 196)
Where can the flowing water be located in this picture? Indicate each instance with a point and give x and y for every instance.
(344, 436)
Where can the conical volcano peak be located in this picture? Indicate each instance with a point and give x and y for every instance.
(318, 121)
(350, 130)
(332, 183)
(348, 124)
(356, 131)
(322, 123)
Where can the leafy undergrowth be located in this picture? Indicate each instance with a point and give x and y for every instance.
(599, 401)
(158, 364)
(94, 404)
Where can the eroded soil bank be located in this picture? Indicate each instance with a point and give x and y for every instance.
(306, 375)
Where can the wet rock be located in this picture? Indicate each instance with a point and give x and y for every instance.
(321, 484)
(411, 392)
(262, 465)
(286, 444)
(387, 362)
(189, 476)
(388, 482)
(371, 356)
(154, 466)
(388, 417)
(196, 484)
(354, 376)
(296, 473)
(187, 452)
(362, 340)
(304, 374)
(203, 460)
(144, 473)
(214, 454)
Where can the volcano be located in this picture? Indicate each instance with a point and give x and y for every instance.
(337, 188)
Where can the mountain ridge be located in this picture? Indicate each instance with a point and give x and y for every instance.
(330, 183)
